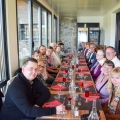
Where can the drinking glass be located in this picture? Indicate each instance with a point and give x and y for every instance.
(64, 79)
(81, 86)
(69, 97)
(85, 76)
(73, 67)
(86, 95)
(58, 96)
(79, 70)
(76, 65)
(66, 71)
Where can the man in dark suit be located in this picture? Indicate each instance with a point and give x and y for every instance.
(26, 95)
(82, 48)
(91, 56)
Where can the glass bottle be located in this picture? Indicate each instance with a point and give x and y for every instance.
(93, 114)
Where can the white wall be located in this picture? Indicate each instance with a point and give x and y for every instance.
(90, 19)
(109, 21)
(109, 25)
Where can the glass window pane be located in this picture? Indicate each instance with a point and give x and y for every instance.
(49, 28)
(23, 30)
(36, 26)
(2, 49)
(44, 27)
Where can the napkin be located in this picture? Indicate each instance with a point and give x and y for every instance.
(62, 72)
(92, 96)
(59, 79)
(58, 87)
(82, 73)
(85, 68)
(82, 62)
(52, 104)
(81, 57)
(87, 83)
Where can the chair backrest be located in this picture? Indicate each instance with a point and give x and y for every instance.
(8, 83)
(1, 96)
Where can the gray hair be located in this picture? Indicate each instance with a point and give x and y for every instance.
(52, 44)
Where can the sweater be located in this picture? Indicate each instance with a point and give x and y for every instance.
(21, 98)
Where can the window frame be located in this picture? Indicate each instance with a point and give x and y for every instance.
(3, 82)
(55, 19)
(30, 7)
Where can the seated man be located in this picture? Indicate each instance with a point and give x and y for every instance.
(36, 55)
(51, 68)
(82, 47)
(111, 55)
(26, 96)
(62, 53)
(56, 59)
(43, 58)
(91, 56)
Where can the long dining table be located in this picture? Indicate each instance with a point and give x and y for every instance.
(84, 108)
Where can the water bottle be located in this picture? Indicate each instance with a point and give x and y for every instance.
(93, 114)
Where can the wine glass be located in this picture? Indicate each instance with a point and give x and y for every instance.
(64, 79)
(66, 71)
(79, 101)
(86, 94)
(58, 96)
(72, 67)
(85, 76)
(63, 112)
(76, 65)
(69, 97)
(81, 86)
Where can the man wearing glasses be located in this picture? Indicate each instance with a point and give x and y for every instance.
(26, 95)
(111, 55)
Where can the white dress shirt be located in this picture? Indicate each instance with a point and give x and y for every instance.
(116, 61)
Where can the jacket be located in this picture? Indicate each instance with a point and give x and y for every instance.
(21, 97)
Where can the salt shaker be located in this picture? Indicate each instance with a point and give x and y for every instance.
(76, 111)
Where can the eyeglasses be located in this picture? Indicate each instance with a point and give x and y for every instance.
(41, 66)
(109, 53)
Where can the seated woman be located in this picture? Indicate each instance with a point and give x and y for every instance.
(112, 107)
(42, 75)
(96, 68)
(102, 81)
(94, 60)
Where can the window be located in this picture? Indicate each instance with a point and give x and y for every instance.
(49, 28)
(3, 47)
(23, 30)
(44, 27)
(55, 29)
(36, 26)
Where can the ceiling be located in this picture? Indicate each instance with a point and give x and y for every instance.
(82, 7)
